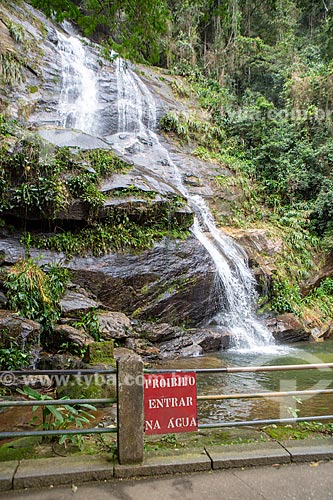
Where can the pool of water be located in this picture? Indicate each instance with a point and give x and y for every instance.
(269, 407)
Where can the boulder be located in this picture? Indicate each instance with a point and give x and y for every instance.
(114, 325)
(287, 328)
(25, 332)
(158, 332)
(208, 340)
(145, 349)
(100, 353)
(76, 303)
(68, 334)
(257, 242)
(178, 348)
(319, 334)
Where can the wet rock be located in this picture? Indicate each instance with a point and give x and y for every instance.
(192, 180)
(226, 340)
(172, 281)
(65, 334)
(319, 334)
(208, 340)
(261, 249)
(72, 138)
(158, 332)
(52, 36)
(76, 303)
(287, 328)
(3, 300)
(25, 332)
(148, 351)
(114, 325)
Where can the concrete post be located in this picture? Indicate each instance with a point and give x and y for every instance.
(130, 409)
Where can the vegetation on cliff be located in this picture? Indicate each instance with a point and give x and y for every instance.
(257, 83)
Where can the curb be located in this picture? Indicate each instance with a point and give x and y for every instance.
(37, 473)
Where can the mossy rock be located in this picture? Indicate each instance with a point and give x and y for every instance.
(100, 353)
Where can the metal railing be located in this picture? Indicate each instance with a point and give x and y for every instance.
(254, 395)
(16, 376)
(130, 417)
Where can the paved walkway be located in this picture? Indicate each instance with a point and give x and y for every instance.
(250, 471)
(312, 480)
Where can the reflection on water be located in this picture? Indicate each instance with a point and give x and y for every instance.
(251, 409)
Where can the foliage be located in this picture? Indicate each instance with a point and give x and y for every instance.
(116, 235)
(60, 417)
(35, 293)
(89, 322)
(321, 297)
(187, 127)
(285, 297)
(11, 68)
(12, 357)
(38, 178)
(131, 27)
(16, 32)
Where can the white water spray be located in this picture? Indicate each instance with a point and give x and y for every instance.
(78, 99)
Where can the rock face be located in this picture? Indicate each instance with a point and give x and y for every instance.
(172, 282)
(287, 328)
(261, 249)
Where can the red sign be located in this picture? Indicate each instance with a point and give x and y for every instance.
(170, 402)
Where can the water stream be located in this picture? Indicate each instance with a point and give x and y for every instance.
(269, 407)
(235, 283)
(137, 119)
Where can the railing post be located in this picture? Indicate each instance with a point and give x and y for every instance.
(130, 409)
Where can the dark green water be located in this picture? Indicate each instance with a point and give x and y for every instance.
(252, 409)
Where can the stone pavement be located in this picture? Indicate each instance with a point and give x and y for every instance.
(307, 481)
(37, 473)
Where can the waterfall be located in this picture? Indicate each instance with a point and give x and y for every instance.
(136, 106)
(78, 99)
(137, 119)
(235, 282)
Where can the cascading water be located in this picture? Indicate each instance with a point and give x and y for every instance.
(78, 99)
(132, 95)
(235, 282)
(137, 118)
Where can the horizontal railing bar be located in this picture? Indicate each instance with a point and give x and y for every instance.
(276, 368)
(94, 430)
(265, 422)
(88, 371)
(241, 369)
(213, 397)
(198, 370)
(60, 402)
